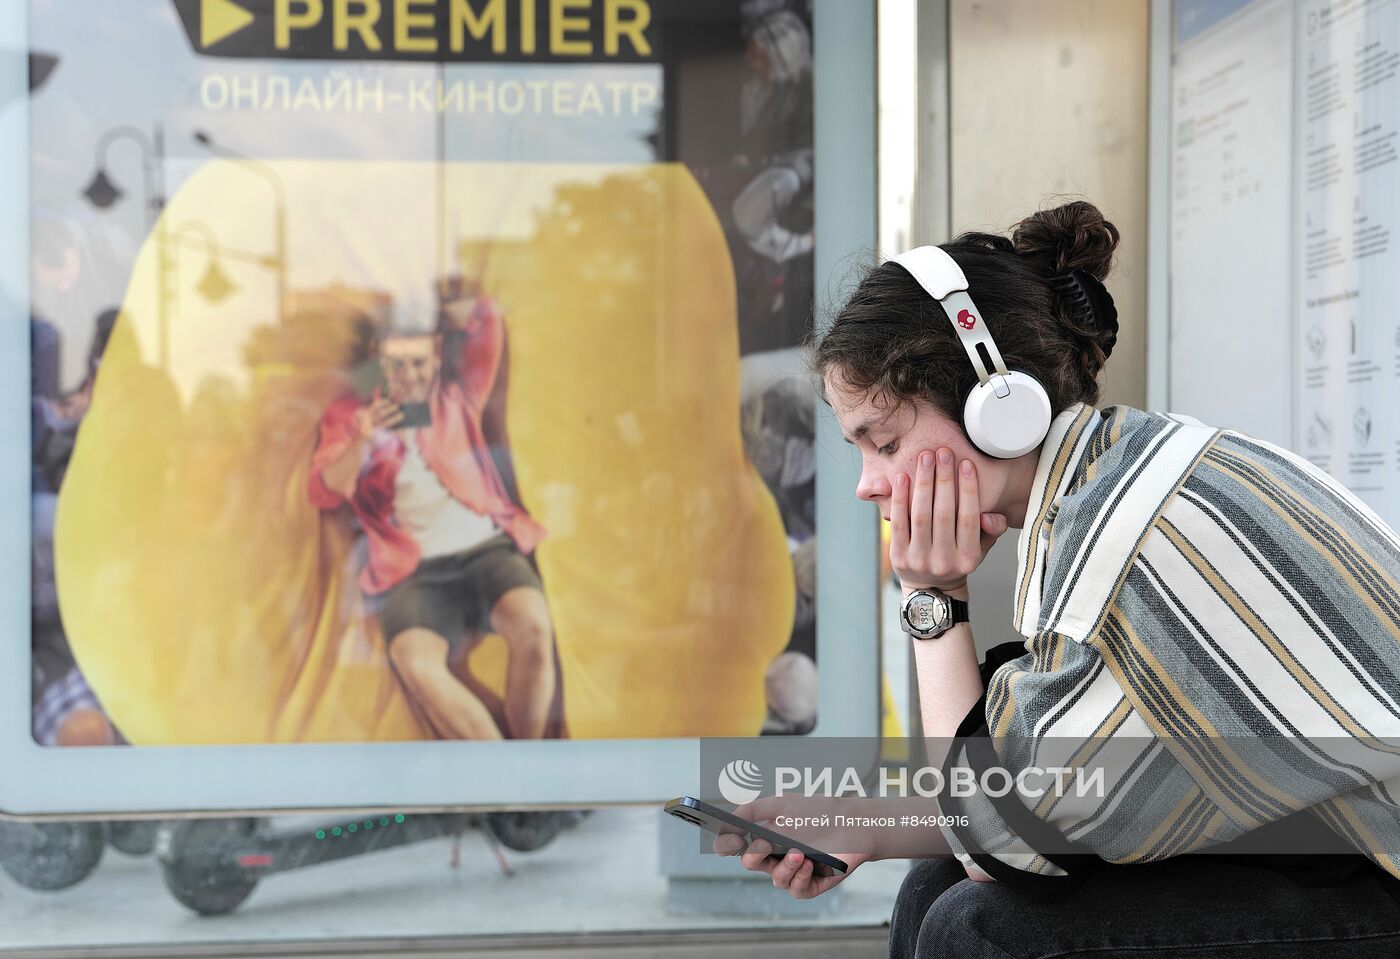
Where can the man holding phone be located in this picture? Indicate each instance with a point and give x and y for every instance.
(447, 544)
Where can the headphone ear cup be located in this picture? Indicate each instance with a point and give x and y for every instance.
(1006, 427)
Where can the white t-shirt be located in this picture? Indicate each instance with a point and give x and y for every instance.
(429, 513)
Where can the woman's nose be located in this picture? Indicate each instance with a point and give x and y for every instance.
(872, 486)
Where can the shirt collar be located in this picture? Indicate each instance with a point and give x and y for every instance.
(1060, 456)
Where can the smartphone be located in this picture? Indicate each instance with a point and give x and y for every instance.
(414, 415)
(713, 819)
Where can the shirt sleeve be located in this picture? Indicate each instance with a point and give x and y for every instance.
(479, 358)
(335, 433)
(1009, 798)
(984, 831)
(978, 831)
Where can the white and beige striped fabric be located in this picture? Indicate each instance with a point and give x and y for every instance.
(1184, 589)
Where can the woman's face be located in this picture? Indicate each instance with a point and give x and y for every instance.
(890, 437)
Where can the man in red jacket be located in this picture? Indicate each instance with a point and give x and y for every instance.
(447, 545)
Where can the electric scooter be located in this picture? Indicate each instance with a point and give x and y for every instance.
(212, 865)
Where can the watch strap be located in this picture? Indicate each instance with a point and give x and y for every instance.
(961, 613)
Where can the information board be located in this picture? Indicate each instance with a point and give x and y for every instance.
(1284, 317)
(1347, 110)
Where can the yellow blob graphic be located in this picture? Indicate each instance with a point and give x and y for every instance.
(208, 601)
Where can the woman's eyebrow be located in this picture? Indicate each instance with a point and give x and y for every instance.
(863, 428)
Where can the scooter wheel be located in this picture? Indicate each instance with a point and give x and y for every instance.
(135, 838)
(196, 856)
(525, 831)
(49, 856)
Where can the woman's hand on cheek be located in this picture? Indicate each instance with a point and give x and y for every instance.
(938, 533)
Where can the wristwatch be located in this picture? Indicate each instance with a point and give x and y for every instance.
(929, 613)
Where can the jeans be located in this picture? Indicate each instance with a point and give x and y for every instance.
(1172, 908)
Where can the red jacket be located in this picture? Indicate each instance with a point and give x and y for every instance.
(453, 446)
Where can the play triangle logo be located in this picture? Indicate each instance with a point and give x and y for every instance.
(222, 28)
(219, 19)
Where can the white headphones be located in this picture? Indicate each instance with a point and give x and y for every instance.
(1007, 414)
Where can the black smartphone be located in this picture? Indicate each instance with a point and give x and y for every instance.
(414, 415)
(713, 819)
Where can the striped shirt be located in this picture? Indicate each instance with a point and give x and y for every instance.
(1183, 590)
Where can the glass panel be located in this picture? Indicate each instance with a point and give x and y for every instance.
(415, 392)
(418, 327)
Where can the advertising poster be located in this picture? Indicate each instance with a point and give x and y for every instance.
(397, 370)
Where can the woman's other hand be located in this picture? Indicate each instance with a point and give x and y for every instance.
(794, 872)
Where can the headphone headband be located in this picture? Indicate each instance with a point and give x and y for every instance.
(936, 271)
(942, 278)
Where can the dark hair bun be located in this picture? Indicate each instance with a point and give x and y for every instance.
(1074, 236)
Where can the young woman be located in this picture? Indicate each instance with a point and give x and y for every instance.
(1180, 590)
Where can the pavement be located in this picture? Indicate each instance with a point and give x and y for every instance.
(600, 876)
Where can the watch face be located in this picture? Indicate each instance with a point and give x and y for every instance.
(926, 614)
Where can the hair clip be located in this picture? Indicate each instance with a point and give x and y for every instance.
(1090, 303)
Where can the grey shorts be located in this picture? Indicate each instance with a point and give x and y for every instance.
(453, 595)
